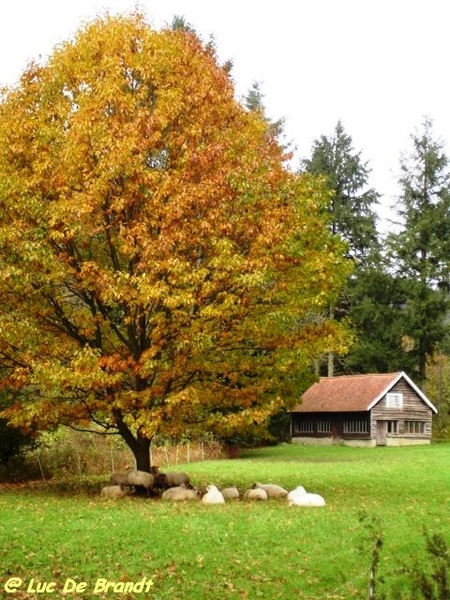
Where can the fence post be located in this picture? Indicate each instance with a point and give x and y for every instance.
(77, 454)
(40, 467)
(111, 452)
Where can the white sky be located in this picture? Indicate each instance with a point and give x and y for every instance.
(379, 66)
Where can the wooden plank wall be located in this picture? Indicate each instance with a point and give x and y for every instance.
(414, 409)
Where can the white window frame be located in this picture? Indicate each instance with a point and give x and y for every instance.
(394, 400)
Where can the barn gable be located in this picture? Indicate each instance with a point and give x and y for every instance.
(398, 379)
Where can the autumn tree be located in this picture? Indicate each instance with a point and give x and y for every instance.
(160, 268)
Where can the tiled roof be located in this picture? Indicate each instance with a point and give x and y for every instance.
(347, 393)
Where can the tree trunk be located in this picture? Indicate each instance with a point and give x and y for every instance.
(141, 451)
(422, 367)
(330, 369)
(330, 372)
(139, 445)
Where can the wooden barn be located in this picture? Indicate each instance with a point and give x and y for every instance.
(363, 410)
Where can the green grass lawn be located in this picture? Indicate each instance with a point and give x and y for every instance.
(63, 532)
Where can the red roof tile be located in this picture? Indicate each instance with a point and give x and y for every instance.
(347, 393)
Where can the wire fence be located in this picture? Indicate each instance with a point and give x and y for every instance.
(69, 453)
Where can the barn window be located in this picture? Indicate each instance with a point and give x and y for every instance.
(305, 426)
(392, 427)
(414, 427)
(323, 426)
(356, 427)
(394, 400)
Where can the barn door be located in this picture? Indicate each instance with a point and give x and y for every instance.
(381, 433)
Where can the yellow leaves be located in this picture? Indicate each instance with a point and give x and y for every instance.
(176, 301)
(157, 260)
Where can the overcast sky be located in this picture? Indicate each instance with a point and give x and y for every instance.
(380, 66)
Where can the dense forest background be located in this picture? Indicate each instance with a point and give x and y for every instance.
(397, 299)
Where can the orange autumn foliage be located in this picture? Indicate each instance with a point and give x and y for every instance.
(161, 268)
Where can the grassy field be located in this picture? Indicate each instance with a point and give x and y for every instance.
(61, 535)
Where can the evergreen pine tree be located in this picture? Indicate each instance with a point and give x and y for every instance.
(351, 209)
(420, 251)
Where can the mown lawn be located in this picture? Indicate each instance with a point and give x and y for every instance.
(61, 532)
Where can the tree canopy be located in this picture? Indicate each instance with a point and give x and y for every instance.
(160, 268)
(351, 211)
(420, 250)
(352, 201)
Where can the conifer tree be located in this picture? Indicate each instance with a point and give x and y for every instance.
(352, 202)
(420, 251)
(351, 206)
